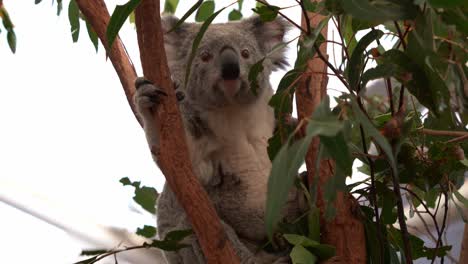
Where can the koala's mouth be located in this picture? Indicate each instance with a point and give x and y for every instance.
(231, 88)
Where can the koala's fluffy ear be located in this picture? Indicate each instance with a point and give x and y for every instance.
(174, 39)
(270, 34)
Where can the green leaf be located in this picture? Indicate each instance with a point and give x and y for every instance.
(322, 251)
(144, 196)
(380, 11)
(254, 71)
(310, 5)
(240, 3)
(447, 3)
(306, 50)
(235, 15)
(290, 157)
(186, 15)
(92, 36)
(205, 11)
(37, 1)
(197, 41)
(11, 38)
(337, 148)
(356, 62)
(313, 223)
(170, 6)
(267, 13)
(172, 240)
(147, 231)
(381, 71)
(74, 18)
(178, 235)
(461, 198)
(375, 134)
(59, 7)
(404, 69)
(120, 14)
(457, 17)
(300, 255)
(93, 252)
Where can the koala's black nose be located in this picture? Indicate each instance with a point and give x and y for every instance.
(229, 64)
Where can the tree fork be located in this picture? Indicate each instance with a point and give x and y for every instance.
(173, 157)
(345, 231)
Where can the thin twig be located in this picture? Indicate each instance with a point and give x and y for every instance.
(388, 84)
(458, 139)
(342, 39)
(337, 73)
(401, 218)
(447, 133)
(373, 195)
(400, 34)
(306, 16)
(284, 16)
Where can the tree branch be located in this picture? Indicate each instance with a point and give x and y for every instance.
(172, 154)
(97, 15)
(173, 157)
(345, 231)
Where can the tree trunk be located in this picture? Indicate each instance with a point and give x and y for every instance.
(345, 231)
(172, 154)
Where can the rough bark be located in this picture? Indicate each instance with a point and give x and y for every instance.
(172, 153)
(345, 231)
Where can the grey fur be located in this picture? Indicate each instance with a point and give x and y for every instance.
(227, 129)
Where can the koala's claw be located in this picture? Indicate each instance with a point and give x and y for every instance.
(147, 94)
(140, 81)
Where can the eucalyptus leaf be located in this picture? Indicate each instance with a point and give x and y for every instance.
(170, 6)
(197, 41)
(144, 196)
(290, 157)
(267, 13)
(147, 231)
(300, 255)
(92, 36)
(205, 11)
(120, 14)
(74, 18)
(380, 11)
(235, 15)
(186, 15)
(356, 62)
(11, 38)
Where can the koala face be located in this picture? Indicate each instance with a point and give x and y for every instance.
(219, 73)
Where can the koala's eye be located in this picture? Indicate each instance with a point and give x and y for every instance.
(245, 53)
(206, 56)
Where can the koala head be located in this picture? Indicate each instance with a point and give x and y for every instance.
(220, 68)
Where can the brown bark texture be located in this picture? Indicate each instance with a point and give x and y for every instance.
(345, 231)
(173, 158)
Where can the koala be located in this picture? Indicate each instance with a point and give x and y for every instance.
(227, 129)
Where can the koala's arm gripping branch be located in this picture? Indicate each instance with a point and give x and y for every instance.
(172, 154)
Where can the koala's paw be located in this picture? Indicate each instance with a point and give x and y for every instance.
(147, 94)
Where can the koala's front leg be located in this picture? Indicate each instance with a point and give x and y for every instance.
(147, 97)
